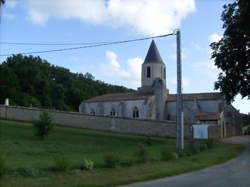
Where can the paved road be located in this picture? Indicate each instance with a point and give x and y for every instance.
(235, 173)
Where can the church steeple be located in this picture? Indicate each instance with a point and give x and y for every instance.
(153, 55)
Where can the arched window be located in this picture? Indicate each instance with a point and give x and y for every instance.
(148, 72)
(135, 112)
(92, 111)
(112, 112)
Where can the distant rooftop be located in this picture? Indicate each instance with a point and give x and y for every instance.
(139, 96)
(153, 55)
(118, 97)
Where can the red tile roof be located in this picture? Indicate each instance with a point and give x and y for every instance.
(139, 96)
(119, 97)
(192, 96)
(208, 116)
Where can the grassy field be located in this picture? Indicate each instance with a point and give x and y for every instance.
(29, 159)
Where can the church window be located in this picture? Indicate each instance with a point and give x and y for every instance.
(112, 112)
(135, 112)
(148, 72)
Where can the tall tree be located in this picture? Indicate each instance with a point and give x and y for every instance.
(232, 53)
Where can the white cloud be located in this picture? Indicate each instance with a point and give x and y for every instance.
(143, 16)
(214, 38)
(130, 75)
(207, 68)
(242, 104)
(185, 81)
(8, 16)
(11, 3)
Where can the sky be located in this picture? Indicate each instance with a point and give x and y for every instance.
(87, 21)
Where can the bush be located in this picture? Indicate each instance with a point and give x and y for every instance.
(61, 164)
(127, 162)
(88, 165)
(44, 125)
(3, 167)
(203, 147)
(142, 154)
(181, 153)
(210, 143)
(148, 141)
(111, 160)
(193, 148)
(166, 155)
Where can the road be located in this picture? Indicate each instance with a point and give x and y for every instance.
(235, 173)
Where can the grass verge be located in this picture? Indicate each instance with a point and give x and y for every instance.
(28, 158)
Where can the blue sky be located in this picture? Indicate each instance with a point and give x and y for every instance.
(63, 21)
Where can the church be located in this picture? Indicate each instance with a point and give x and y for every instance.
(152, 100)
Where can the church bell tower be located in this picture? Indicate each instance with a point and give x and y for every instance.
(153, 69)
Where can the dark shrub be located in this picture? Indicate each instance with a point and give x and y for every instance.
(181, 153)
(148, 141)
(44, 125)
(127, 162)
(142, 155)
(167, 155)
(203, 147)
(60, 164)
(210, 143)
(3, 167)
(111, 160)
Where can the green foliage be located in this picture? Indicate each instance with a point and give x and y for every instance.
(181, 153)
(3, 167)
(111, 160)
(203, 146)
(167, 155)
(142, 155)
(29, 80)
(61, 164)
(127, 162)
(231, 54)
(148, 141)
(210, 143)
(44, 125)
(87, 165)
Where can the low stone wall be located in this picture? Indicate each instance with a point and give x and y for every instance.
(101, 123)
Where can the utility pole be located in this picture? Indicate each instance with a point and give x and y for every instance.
(179, 103)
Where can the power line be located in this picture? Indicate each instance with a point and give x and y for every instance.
(90, 46)
(48, 44)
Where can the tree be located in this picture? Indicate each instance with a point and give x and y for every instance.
(232, 53)
(43, 126)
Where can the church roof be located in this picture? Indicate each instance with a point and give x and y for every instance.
(153, 55)
(118, 97)
(199, 96)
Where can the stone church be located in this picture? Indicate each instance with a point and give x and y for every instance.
(152, 100)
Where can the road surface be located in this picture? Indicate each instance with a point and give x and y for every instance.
(235, 173)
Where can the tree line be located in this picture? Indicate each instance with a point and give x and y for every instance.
(32, 81)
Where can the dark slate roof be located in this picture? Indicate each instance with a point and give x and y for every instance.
(153, 55)
(118, 97)
(198, 96)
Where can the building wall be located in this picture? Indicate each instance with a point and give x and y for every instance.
(193, 107)
(123, 108)
(102, 123)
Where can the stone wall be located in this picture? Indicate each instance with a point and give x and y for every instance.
(101, 123)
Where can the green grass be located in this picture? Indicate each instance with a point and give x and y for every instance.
(28, 159)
